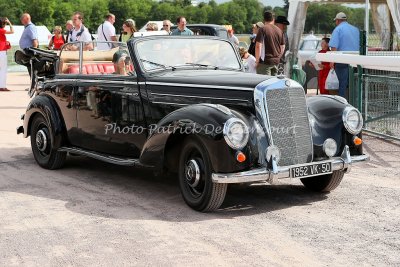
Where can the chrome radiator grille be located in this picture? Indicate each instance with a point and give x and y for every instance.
(289, 125)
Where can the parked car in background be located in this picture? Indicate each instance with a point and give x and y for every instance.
(184, 104)
(207, 29)
(309, 46)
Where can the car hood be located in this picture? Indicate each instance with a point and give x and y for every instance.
(209, 78)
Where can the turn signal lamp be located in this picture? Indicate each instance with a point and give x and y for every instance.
(240, 156)
(357, 140)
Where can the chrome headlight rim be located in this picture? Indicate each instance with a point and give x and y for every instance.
(349, 128)
(227, 126)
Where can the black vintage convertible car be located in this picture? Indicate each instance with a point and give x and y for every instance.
(185, 105)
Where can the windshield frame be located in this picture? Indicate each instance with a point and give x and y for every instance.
(134, 42)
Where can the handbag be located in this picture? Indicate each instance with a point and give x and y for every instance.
(8, 45)
(332, 81)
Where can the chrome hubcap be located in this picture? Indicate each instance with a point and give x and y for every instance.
(41, 140)
(192, 173)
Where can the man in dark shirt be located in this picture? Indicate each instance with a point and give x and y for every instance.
(270, 46)
(281, 22)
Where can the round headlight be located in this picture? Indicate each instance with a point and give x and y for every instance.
(352, 119)
(330, 147)
(236, 133)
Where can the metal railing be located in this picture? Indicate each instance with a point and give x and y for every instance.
(376, 93)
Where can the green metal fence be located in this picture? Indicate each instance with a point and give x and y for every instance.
(376, 93)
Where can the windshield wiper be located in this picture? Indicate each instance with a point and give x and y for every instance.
(197, 65)
(156, 64)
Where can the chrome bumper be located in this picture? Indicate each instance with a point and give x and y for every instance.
(343, 162)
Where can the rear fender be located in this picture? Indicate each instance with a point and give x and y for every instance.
(48, 108)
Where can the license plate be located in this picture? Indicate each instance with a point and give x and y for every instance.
(311, 170)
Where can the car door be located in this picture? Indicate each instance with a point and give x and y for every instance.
(110, 115)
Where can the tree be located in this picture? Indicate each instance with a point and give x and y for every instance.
(138, 10)
(166, 11)
(97, 14)
(41, 11)
(62, 13)
(12, 12)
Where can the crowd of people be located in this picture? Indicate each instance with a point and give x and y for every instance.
(266, 54)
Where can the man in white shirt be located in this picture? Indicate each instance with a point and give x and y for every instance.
(106, 33)
(80, 33)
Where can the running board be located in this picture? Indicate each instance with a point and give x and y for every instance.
(99, 156)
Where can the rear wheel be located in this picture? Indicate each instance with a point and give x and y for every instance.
(195, 182)
(42, 147)
(323, 183)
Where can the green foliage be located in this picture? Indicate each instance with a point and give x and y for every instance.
(320, 17)
(41, 11)
(138, 10)
(241, 14)
(12, 12)
(62, 13)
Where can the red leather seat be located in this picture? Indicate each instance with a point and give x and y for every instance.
(99, 68)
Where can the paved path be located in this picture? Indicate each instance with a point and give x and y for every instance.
(95, 214)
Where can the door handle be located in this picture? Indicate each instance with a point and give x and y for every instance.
(132, 94)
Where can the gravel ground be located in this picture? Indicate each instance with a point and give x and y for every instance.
(92, 213)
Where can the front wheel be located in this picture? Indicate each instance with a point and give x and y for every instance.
(323, 183)
(195, 182)
(42, 145)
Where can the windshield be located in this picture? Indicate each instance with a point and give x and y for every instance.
(310, 45)
(179, 52)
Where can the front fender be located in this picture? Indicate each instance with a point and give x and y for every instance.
(325, 114)
(48, 108)
(206, 122)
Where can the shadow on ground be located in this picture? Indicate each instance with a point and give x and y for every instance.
(99, 189)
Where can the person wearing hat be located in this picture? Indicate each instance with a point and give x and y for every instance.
(282, 23)
(345, 37)
(254, 29)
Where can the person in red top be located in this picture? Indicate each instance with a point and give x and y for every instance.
(4, 46)
(57, 40)
(325, 68)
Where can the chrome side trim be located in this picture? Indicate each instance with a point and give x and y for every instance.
(99, 156)
(89, 81)
(201, 86)
(48, 81)
(342, 163)
(169, 103)
(205, 97)
(106, 82)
